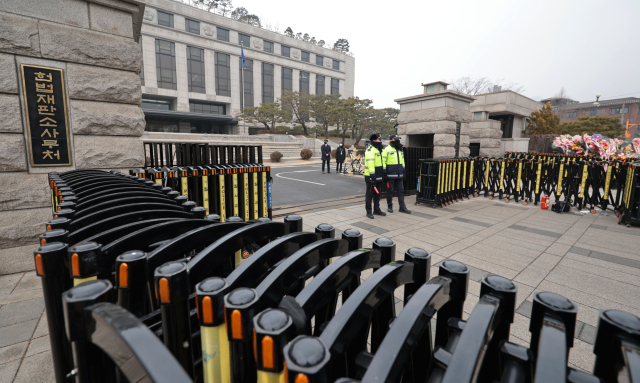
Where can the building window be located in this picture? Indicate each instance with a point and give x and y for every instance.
(206, 107)
(319, 84)
(304, 82)
(156, 104)
(141, 66)
(192, 26)
(247, 78)
(335, 86)
(477, 116)
(336, 64)
(244, 40)
(305, 56)
(268, 46)
(195, 67)
(223, 34)
(223, 75)
(287, 79)
(285, 51)
(570, 115)
(162, 127)
(590, 113)
(166, 64)
(319, 60)
(165, 19)
(267, 83)
(618, 110)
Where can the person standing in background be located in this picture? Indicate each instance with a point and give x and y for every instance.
(373, 174)
(393, 162)
(341, 154)
(325, 151)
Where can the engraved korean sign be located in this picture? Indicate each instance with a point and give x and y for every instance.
(45, 102)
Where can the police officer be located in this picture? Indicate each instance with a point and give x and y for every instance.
(325, 150)
(393, 163)
(373, 173)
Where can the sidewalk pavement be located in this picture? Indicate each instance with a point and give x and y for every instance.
(587, 258)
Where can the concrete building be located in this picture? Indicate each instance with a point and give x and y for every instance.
(191, 71)
(511, 110)
(626, 109)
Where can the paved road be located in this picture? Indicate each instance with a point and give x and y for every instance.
(299, 184)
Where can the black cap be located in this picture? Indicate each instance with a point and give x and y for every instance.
(394, 137)
(374, 136)
(325, 140)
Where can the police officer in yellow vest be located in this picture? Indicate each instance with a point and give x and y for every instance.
(373, 174)
(393, 164)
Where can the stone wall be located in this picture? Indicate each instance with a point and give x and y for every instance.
(95, 44)
(488, 134)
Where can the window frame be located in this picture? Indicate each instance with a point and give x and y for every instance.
(170, 18)
(241, 41)
(333, 64)
(264, 46)
(264, 83)
(282, 50)
(159, 62)
(247, 78)
(302, 55)
(337, 87)
(192, 64)
(219, 72)
(321, 60)
(187, 26)
(572, 114)
(324, 80)
(226, 34)
(620, 110)
(308, 82)
(201, 104)
(284, 81)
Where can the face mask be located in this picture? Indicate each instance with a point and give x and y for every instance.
(396, 144)
(340, 144)
(377, 145)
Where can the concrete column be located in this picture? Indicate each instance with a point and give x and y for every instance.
(257, 82)
(296, 80)
(183, 82)
(209, 72)
(312, 83)
(149, 58)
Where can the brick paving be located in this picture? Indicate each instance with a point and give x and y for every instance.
(588, 258)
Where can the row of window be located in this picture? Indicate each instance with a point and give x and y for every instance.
(592, 113)
(193, 26)
(195, 106)
(167, 79)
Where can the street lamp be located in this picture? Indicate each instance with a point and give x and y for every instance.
(597, 104)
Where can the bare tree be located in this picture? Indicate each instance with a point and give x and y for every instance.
(562, 94)
(225, 7)
(480, 85)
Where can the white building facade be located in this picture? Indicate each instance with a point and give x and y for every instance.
(191, 69)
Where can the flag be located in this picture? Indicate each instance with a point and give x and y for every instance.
(242, 52)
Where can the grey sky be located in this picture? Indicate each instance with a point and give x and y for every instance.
(587, 46)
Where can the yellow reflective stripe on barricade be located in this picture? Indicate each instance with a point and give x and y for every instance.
(223, 205)
(238, 258)
(439, 186)
(458, 176)
(270, 377)
(225, 355)
(502, 166)
(471, 173)
(256, 204)
(159, 181)
(464, 173)
(264, 195)
(560, 176)
(538, 174)
(607, 182)
(205, 193)
(210, 339)
(583, 181)
(486, 173)
(185, 186)
(77, 281)
(519, 176)
(245, 180)
(236, 212)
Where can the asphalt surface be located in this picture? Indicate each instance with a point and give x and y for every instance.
(299, 184)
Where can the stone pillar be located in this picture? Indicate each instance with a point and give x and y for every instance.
(436, 118)
(95, 45)
(487, 133)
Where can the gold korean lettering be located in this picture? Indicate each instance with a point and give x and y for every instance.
(47, 99)
(43, 76)
(46, 110)
(50, 143)
(49, 122)
(48, 153)
(44, 88)
(46, 131)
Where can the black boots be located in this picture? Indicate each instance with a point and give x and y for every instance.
(405, 210)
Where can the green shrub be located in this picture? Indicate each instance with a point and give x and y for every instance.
(276, 156)
(306, 154)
